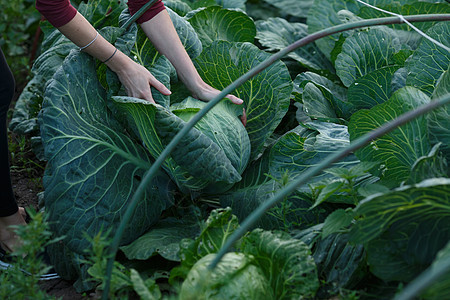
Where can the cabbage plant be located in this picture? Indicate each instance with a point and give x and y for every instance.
(364, 219)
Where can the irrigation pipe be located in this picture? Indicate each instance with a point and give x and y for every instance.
(229, 89)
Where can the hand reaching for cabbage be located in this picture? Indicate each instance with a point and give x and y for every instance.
(206, 93)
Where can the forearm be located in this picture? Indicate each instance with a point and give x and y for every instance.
(81, 33)
(162, 34)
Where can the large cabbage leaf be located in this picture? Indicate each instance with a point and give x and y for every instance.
(373, 88)
(403, 230)
(365, 52)
(277, 33)
(339, 263)
(215, 151)
(409, 7)
(234, 277)
(429, 61)
(266, 96)
(398, 150)
(324, 14)
(291, 155)
(285, 261)
(440, 288)
(439, 119)
(215, 23)
(93, 166)
(293, 7)
(163, 238)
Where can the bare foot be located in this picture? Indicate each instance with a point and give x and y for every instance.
(9, 241)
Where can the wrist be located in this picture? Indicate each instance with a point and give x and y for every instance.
(117, 61)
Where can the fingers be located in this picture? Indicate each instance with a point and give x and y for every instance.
(159, 86)
(145, 95)
(235, 99)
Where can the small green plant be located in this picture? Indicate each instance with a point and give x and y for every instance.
(18, 23)
(287, 213)
(24, 160)
(20, 280)
(124, 281)
(344, 187)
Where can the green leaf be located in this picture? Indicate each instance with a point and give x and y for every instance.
(163, 238)
(324, 100)
(293, 7)
(194, 4)
(315, 105)
(398, 150)
(277, 33)
(215, 23)
(266, 96)
(324, 14)
(440, 288)
(339, 91)
(372, 189)
(232, 3)
(339, 263)
(430, 166)
(299, 150)
(327, 191)
(234, 277)
(93, 167)
(286, 262)
(296, 213)
(439, 119)
(336, 221)
(372, 89)
(147, 290)
(103, 12)
(426, 65)
(222, 126)
(395, 226)
(200, 161)
(178, 6)
(217, 228)
(408, 7)
(293, 153)
(363, 53)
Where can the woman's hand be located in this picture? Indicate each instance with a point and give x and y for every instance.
(136, 79)
(205, 92)
(162, 34)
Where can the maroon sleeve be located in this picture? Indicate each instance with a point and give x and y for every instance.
(135, 5)
(57, 12)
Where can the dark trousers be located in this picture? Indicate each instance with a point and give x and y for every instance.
(8, 204)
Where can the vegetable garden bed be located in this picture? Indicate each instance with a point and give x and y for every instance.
(365, 227)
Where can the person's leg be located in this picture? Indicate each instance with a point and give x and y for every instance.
(9, 211)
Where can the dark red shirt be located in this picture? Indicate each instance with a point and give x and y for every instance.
(61, 12)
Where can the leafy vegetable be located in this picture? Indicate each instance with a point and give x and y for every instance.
(93, 167)
(234, 278)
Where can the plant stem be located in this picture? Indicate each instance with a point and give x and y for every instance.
(229, 89)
